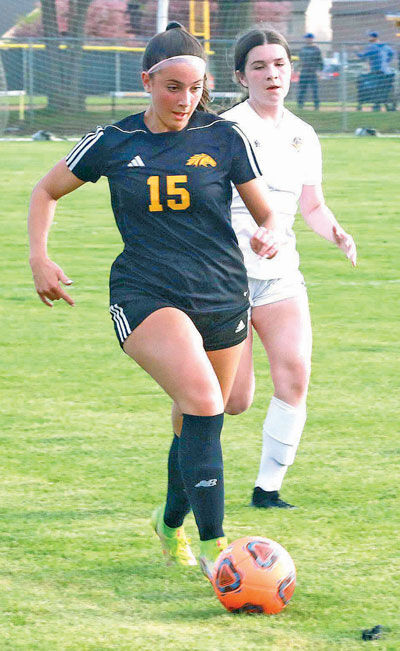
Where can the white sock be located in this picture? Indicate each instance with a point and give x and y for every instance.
(282, 430)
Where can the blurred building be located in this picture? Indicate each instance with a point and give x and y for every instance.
(297, 26)
(124, 18)
(318, 19)
(10, 12)
(353, 19)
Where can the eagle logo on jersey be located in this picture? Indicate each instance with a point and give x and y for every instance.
(297, 143)
(201, 160)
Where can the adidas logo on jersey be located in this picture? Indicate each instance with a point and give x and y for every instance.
(136, 162)
(201, 160)
(240, 327)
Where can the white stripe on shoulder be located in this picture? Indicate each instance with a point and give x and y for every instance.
(75, 155)
(81, 144)
(85, 146)
(206, 126)
(114, 126)
(250, 154)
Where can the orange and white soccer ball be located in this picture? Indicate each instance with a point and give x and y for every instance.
(254, 575)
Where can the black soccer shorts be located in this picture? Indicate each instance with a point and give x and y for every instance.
(221, 329)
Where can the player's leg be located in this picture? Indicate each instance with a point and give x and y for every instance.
(180, 365)
(177, 505)
(225, 363)
(178, 362)
(284, 328)
(242, 392)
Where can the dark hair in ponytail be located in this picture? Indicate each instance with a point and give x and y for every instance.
(175, 41)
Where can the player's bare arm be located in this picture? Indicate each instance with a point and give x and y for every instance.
(264, 241)
(47, 274)
(321, 219)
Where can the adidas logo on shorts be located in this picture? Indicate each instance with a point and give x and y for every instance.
(240, 327)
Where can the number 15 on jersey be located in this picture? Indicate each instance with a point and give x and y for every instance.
(180, 197)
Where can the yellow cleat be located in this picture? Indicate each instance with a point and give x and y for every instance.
(209, 552)
(175, 545)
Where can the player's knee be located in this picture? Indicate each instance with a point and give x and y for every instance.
(239, 403)
(291, 380)
(299, 383)
(202, 398)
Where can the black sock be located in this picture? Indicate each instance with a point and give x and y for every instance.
(200, 460)
(177, 506)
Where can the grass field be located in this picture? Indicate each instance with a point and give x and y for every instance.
(330, 119)
(85, 434)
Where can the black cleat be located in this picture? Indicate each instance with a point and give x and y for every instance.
(268, 500)
(372, 633)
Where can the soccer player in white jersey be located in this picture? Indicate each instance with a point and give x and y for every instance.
(279, 305)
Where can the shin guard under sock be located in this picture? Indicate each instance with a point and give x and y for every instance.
(200, 460)
(177, 505)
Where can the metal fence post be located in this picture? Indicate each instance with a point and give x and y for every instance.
(117, 72)
(30, 81)
(24, 70)
(343, 86)
(162, 15)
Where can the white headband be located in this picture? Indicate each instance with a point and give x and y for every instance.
(189, 58)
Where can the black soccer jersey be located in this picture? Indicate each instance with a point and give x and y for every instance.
(171, 196)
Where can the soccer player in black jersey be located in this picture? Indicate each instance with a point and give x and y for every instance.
(178, 291)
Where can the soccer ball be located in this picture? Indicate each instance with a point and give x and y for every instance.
(254, 575)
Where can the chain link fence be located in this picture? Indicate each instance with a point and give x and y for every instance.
(68, 86)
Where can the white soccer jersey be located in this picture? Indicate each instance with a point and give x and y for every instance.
(289, 156)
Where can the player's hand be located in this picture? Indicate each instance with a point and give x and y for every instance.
(346, 243)
(265, 242)
(47, 276)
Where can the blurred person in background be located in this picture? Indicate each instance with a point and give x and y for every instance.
(310, 64)
(289, 154)
(378, 83)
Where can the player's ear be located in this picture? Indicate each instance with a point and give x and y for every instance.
(240, 78)
(146, 81)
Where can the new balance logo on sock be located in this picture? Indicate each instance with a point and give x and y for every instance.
(206, 483)
(136, 162)
(240, 326)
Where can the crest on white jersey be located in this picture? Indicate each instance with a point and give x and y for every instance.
(297, 143)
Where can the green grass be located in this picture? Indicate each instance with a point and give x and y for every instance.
(85, 435)
(329, 119)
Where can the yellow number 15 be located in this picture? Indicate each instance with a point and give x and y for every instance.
(183, 195)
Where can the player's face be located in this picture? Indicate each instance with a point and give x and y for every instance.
(267, 74)
(175, 91)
